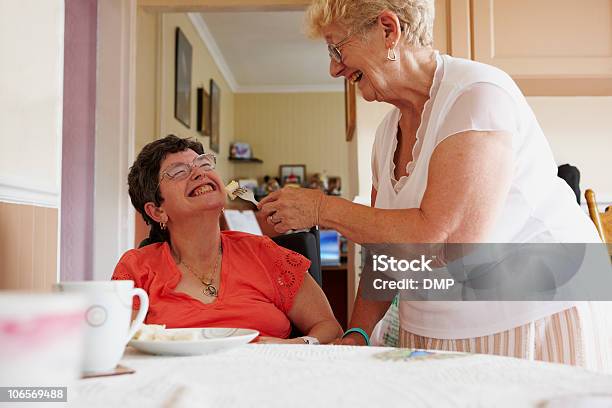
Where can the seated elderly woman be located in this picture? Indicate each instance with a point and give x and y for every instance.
(200, 276)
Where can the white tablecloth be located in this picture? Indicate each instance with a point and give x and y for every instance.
(333, 376)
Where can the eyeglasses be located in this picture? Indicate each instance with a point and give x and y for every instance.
(334, 49)
(180, 171)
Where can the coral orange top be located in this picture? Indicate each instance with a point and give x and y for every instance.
(259, 281)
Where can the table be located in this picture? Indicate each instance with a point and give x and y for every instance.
(333, 376)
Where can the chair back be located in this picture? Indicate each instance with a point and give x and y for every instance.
(571, 175)
(602, 220)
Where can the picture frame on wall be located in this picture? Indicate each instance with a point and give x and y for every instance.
(203, 112)
(292, 174)
(182, 79)
(215, 116)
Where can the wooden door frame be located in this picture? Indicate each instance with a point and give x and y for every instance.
(187, 6)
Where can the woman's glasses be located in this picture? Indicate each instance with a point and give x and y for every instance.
(180, 171)
(334, 49)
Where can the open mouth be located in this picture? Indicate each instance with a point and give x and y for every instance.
(355, 77)
(203, 189)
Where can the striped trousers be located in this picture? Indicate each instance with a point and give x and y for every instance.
(567, 337)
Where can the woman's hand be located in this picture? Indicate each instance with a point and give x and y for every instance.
(352, 339)
(277, 340)
(292, 208)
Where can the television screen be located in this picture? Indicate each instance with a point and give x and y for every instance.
(330, 247)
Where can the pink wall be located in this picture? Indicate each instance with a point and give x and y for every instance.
(78, 141)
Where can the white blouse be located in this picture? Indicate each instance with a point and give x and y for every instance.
(540, 207)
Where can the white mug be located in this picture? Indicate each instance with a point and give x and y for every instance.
(107, 319)
(41, 338)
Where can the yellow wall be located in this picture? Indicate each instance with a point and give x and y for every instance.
(155, 84)
(293, 128)
(282, 128)
(147, 71)
(203, 69)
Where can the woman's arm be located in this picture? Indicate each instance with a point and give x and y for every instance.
(311, 314)
(469, 177)
(366, 314)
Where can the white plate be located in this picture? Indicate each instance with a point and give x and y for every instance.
(212, 340)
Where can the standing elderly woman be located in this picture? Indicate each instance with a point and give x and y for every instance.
(199, 276)
(461, 159)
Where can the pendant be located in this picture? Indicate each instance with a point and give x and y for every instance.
(209, 290)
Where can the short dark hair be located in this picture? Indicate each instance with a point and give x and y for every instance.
(143, 179)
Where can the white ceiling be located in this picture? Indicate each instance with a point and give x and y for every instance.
(266, 51)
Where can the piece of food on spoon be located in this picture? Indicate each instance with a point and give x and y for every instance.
(231, 187)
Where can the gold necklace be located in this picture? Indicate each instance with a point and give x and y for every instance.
(209, 289)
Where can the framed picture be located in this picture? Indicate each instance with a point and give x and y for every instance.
(215, 114)
(240, 150)
(182, 79)
(349, 109)
(203, 112)
(292, 174)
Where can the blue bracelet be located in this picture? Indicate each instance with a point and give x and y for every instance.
(360, 331)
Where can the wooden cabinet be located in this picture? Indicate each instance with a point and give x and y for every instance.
(452, 27)
(336, 289)
(550, 47)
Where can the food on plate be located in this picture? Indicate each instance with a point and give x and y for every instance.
(158, 332)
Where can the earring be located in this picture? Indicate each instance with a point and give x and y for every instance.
(391, 55)
(162, 225)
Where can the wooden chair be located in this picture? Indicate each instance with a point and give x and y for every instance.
(602, 220)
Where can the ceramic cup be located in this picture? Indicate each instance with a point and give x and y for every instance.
(41, 338)
(107, 319)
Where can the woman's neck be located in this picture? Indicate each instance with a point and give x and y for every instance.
(196, 242)
(413, 80)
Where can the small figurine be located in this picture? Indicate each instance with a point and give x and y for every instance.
(334, 186)
(271, 184)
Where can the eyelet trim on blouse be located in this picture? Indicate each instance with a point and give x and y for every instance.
(122, 275)
(290, 269)
(425, 117)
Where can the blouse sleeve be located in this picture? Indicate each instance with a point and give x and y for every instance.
(481, 107)
(286, 270)
(126, 271)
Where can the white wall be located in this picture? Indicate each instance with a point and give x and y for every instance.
(31, 84)
(115, 96)
(369, 116)
(579, 130)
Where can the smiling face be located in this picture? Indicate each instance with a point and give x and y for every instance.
(363, 60)
(200, 191)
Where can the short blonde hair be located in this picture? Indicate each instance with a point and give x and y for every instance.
(416, 17)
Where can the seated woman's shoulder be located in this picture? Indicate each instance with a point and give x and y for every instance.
(245, 237)
(146, 251)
